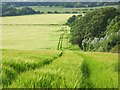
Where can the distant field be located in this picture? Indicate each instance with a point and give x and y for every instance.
(30, 58)
(31, 37)
(52, 9)
(62, 9)
(37, 19)
(115, 6)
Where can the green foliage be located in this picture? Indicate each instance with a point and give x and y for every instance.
(74, 47)
(26, 11)
(115, 49)
(62, 4)
(91, 31)
(8, 74)
(8, 10)
(63, 10)
(112, 35)
(71, 20)
(15, 9)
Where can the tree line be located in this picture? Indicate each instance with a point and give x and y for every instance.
(62, 4)
(21, 8)
(96, 31)
(12, 11)
(9, 10)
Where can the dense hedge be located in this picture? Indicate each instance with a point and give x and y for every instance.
(97, 30)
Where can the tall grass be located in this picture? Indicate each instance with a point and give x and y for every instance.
(99, 70)
(64, 72)
(16, 62)
(74, 69)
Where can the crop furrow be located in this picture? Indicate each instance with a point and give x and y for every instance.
(12, 67)
(64, 72)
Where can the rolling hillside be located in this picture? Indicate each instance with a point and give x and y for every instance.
(31, 59)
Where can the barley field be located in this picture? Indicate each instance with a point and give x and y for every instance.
(37, 19)
(30, 58)
(31, 37)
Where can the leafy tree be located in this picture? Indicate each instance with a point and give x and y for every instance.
(12, 11)
(49, 12)
(26, 10)
(56, 12)
(92, 30)
(71, 19)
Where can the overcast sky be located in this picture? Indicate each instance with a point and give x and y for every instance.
(60, 0)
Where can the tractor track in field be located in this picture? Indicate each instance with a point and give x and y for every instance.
(69, 69)
(65, 61)
(86, 73)
(35, 66)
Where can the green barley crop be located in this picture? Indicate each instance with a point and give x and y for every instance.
(15, 62)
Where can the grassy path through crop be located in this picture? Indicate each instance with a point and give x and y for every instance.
(99, 69)
(72, 69)
(16, 62)
(62, 72)
(37, 64)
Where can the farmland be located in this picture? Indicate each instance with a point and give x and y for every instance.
(33, 35)
(37, 19)
(52, 9)
(72, 69)
(63, 10)
(28, 60)
(31, 59)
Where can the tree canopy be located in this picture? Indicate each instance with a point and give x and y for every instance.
(97, 30)
(9, 10)
(63, 4)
